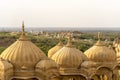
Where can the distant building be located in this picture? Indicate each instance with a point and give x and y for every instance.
(15, 33)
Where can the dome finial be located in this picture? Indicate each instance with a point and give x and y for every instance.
(60, 40)
(23, 30)
(98, 35)
(99, 42)
(59, 37)
(69, 43)
(69, 37)
(23, 36)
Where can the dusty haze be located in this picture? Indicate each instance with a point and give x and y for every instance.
(60, 13)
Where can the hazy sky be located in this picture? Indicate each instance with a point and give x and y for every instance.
(60, 13)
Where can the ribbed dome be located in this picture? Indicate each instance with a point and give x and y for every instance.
(100, 53)
(55, 49)
(116, 45)
(118, 57)
(116, 42)
(68, 56)
(84, 57)
(47, 64)
(5, 65)
(23, 53)
(117, 49)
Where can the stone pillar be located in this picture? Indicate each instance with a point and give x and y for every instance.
(115, 77)
(101, 77)
(109, 77)
(98, 77)
(88, 78)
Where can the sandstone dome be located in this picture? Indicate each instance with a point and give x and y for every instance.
(5, 65)
(47, 64)
(68, 56)
(100, 53)
(53, 50)
(23, 53)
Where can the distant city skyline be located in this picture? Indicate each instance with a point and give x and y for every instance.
(60, 13)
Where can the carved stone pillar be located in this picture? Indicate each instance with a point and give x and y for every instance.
(109, 77)
(115, 77)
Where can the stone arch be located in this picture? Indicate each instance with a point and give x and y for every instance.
(20, 78)
(82, 77)
(95, 77)
(115, 75)
(79, 77)
(103, 70)
(25, 79)
(116, 67)
(104, 73)
(52, 74)
(73, 77)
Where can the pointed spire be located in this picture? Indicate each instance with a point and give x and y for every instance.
(69, 43)
(99, 42)
(60, 37)
(23, 36)
(60, 42)
(23, 30)
(98, 35)
(69, 37)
